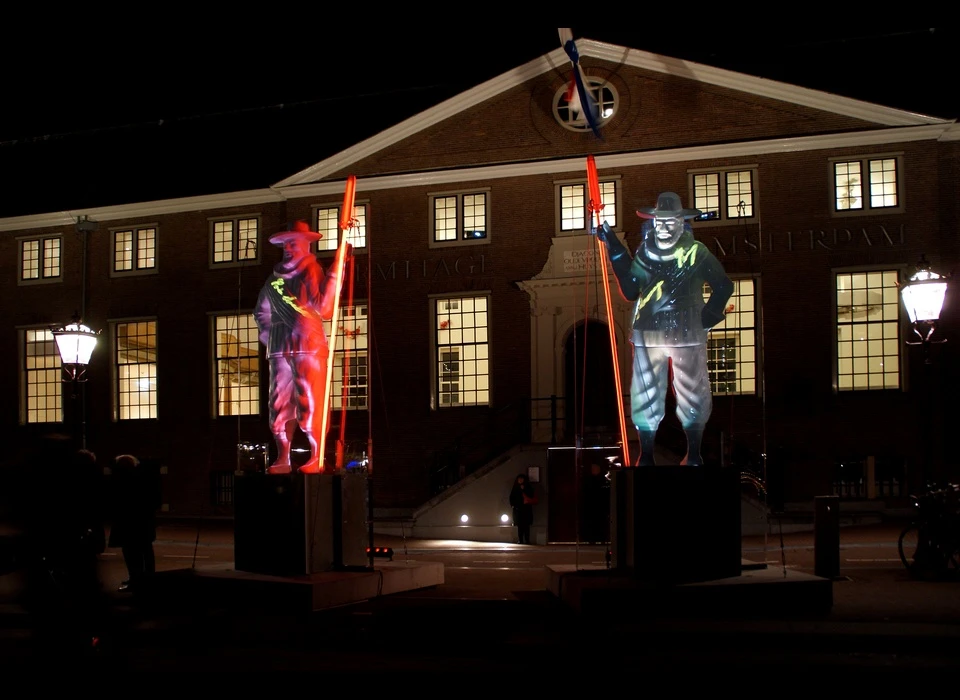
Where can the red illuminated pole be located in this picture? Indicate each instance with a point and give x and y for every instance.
(595, 206)
(346, 221)
(345, 378)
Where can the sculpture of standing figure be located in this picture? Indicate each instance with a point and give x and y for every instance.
(670, 319)
(290, 311)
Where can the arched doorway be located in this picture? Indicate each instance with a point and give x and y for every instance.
(590, 389)
(577, 485)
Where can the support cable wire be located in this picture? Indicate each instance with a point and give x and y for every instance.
(345, 251)
(754, 276)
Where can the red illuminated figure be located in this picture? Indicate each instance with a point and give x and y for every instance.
(290, 311)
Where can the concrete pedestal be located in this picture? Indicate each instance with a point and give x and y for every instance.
(293, 524)
(676, 524)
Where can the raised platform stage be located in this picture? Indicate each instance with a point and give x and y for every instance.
(224, 586)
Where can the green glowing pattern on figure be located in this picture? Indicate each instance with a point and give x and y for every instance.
(277, 284)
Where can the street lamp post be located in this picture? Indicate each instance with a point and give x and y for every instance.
(923, 296)
(75, 343)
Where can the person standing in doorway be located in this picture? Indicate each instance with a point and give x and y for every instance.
(522, 499)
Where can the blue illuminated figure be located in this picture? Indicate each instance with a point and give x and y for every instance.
(670, 319)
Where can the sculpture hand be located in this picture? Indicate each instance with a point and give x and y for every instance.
(603, 232)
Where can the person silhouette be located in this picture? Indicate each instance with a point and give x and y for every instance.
(64, 536)
(133, 526)
(522, 498)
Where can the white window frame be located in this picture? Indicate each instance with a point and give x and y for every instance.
(326, 221)
(120, 406)
(461, 206)
(727, 209)
(44, 275)
(572, 199)
(41, 381)
(877, 339)
(868, 188)
(742, 323)
(351, 346)
(241, 348)
(136, 268)
(235, 260)
(472, 348)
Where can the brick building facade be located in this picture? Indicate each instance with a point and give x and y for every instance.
(475, 203)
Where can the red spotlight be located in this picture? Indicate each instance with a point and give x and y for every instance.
(381, 552)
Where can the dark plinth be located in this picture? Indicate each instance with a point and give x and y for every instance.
(676, 524)
(294, 524)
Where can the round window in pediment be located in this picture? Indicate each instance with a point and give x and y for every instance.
(567, 109)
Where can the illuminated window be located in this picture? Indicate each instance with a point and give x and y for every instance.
(567, 108)
(234, 241)
(40, 259)
(867, 184)
(348, 384)
(724, 194)
(732, 343)
(328, 224)
(136, 369)
(461, 374)
(42, 401)
(868, 330)
(237, 359)
(459, 218)
(135, 249)
(573, 200)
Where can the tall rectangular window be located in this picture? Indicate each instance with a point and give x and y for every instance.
(867, 184)
(732, 344)
(348, 385)
(234, 241)
(328, 225)
(135, 249)
(237, 361)
(135, 365)
(40, 258)
(868, 330)
(724, 194)
(574, 201)
(461, 374)
(459, 218)
(43, 390)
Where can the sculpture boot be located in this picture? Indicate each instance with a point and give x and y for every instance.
(312, 465)
(647, 438)
(281, 464)
(694, 438)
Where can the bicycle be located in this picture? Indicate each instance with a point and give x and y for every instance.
(929, 546)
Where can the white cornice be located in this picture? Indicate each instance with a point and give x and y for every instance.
(951, 133)
(625, 160)
(930, 132)
(142, 209)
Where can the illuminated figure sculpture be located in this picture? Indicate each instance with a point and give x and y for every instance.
(290, 311)
(670, 319)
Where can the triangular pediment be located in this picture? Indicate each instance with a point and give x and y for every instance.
(666, 97)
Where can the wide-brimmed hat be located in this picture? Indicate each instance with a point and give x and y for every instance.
(299, 230)
(668, 206)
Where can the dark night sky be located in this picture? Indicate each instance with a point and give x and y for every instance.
(167, 113)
